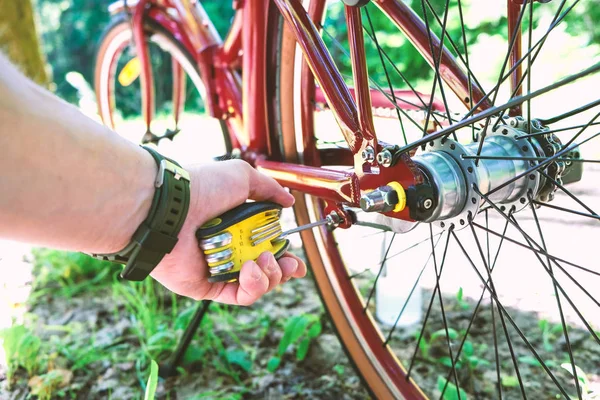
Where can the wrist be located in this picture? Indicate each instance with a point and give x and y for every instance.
(138, 201)
(158, 233)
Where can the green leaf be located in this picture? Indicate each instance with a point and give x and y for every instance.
(510, 381)
(294, 329)
(184, 318)
(315, 330)
(459, 295)
(445, 361)
(452, 392)
(193, 354)
(302, 349)
(152, 381)
(163, 337)
(239, 358)
(424, 347)
(273, 364)
(339, 369)
(530, 360)
(442, 333)
(468, 348)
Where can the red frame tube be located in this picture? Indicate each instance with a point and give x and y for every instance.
(513, 11)
(254, 95)
(361, 76)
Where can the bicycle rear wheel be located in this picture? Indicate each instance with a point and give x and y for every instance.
(508, 296)
(178, 121)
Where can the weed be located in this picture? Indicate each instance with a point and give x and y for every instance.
(46, 385)
(452, 392)
(550, 333)
(22, 349)
(464, 305)
(152, 381)
(339, 369)
(426, 344)
(70, 273)
(300, 330)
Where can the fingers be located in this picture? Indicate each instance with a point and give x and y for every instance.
(299, 271)
(260, 277)
(262, 187)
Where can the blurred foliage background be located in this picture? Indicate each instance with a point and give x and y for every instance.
(70, 31)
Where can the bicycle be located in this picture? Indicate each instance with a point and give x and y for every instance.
(269, 83)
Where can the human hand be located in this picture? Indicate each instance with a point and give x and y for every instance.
(216, 188)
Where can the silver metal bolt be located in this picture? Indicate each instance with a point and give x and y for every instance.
(368, 154)
(427, 203)
(382, 199)
(384, 158)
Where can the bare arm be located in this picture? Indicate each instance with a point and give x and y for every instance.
(68, 182)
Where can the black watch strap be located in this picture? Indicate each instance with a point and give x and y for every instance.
(157, 235)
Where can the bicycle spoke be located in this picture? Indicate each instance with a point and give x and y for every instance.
(392, 256)
(439, 292)
(512, 322)
(558, 302)
(557, 19)
(529, 65)
(570, 113)
(464, 60)
(379, 272)
(568, 193)
(539, 203)
(427, 313)
(491, 111)
(544, 163)
(529, 159)
(378, 87)
(536, 252)
(411, 87)
(411, 292)
(504, 64)
(537, 46)
(474, 315)
(387, 75)
(436, 61)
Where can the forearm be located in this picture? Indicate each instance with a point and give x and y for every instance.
(65, 180)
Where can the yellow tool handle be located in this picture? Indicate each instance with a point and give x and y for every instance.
(238, 235)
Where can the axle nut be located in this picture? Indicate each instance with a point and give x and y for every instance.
(383, 199)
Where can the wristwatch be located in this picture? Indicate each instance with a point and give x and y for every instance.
(157, 235)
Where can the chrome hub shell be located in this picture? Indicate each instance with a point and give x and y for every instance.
(454, 174)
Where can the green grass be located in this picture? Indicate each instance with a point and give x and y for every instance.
(227, 343)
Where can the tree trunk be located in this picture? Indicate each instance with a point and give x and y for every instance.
(19, 40)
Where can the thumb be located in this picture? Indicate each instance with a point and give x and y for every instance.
(262, 187)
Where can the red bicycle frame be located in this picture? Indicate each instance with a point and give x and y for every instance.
(242, 100)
